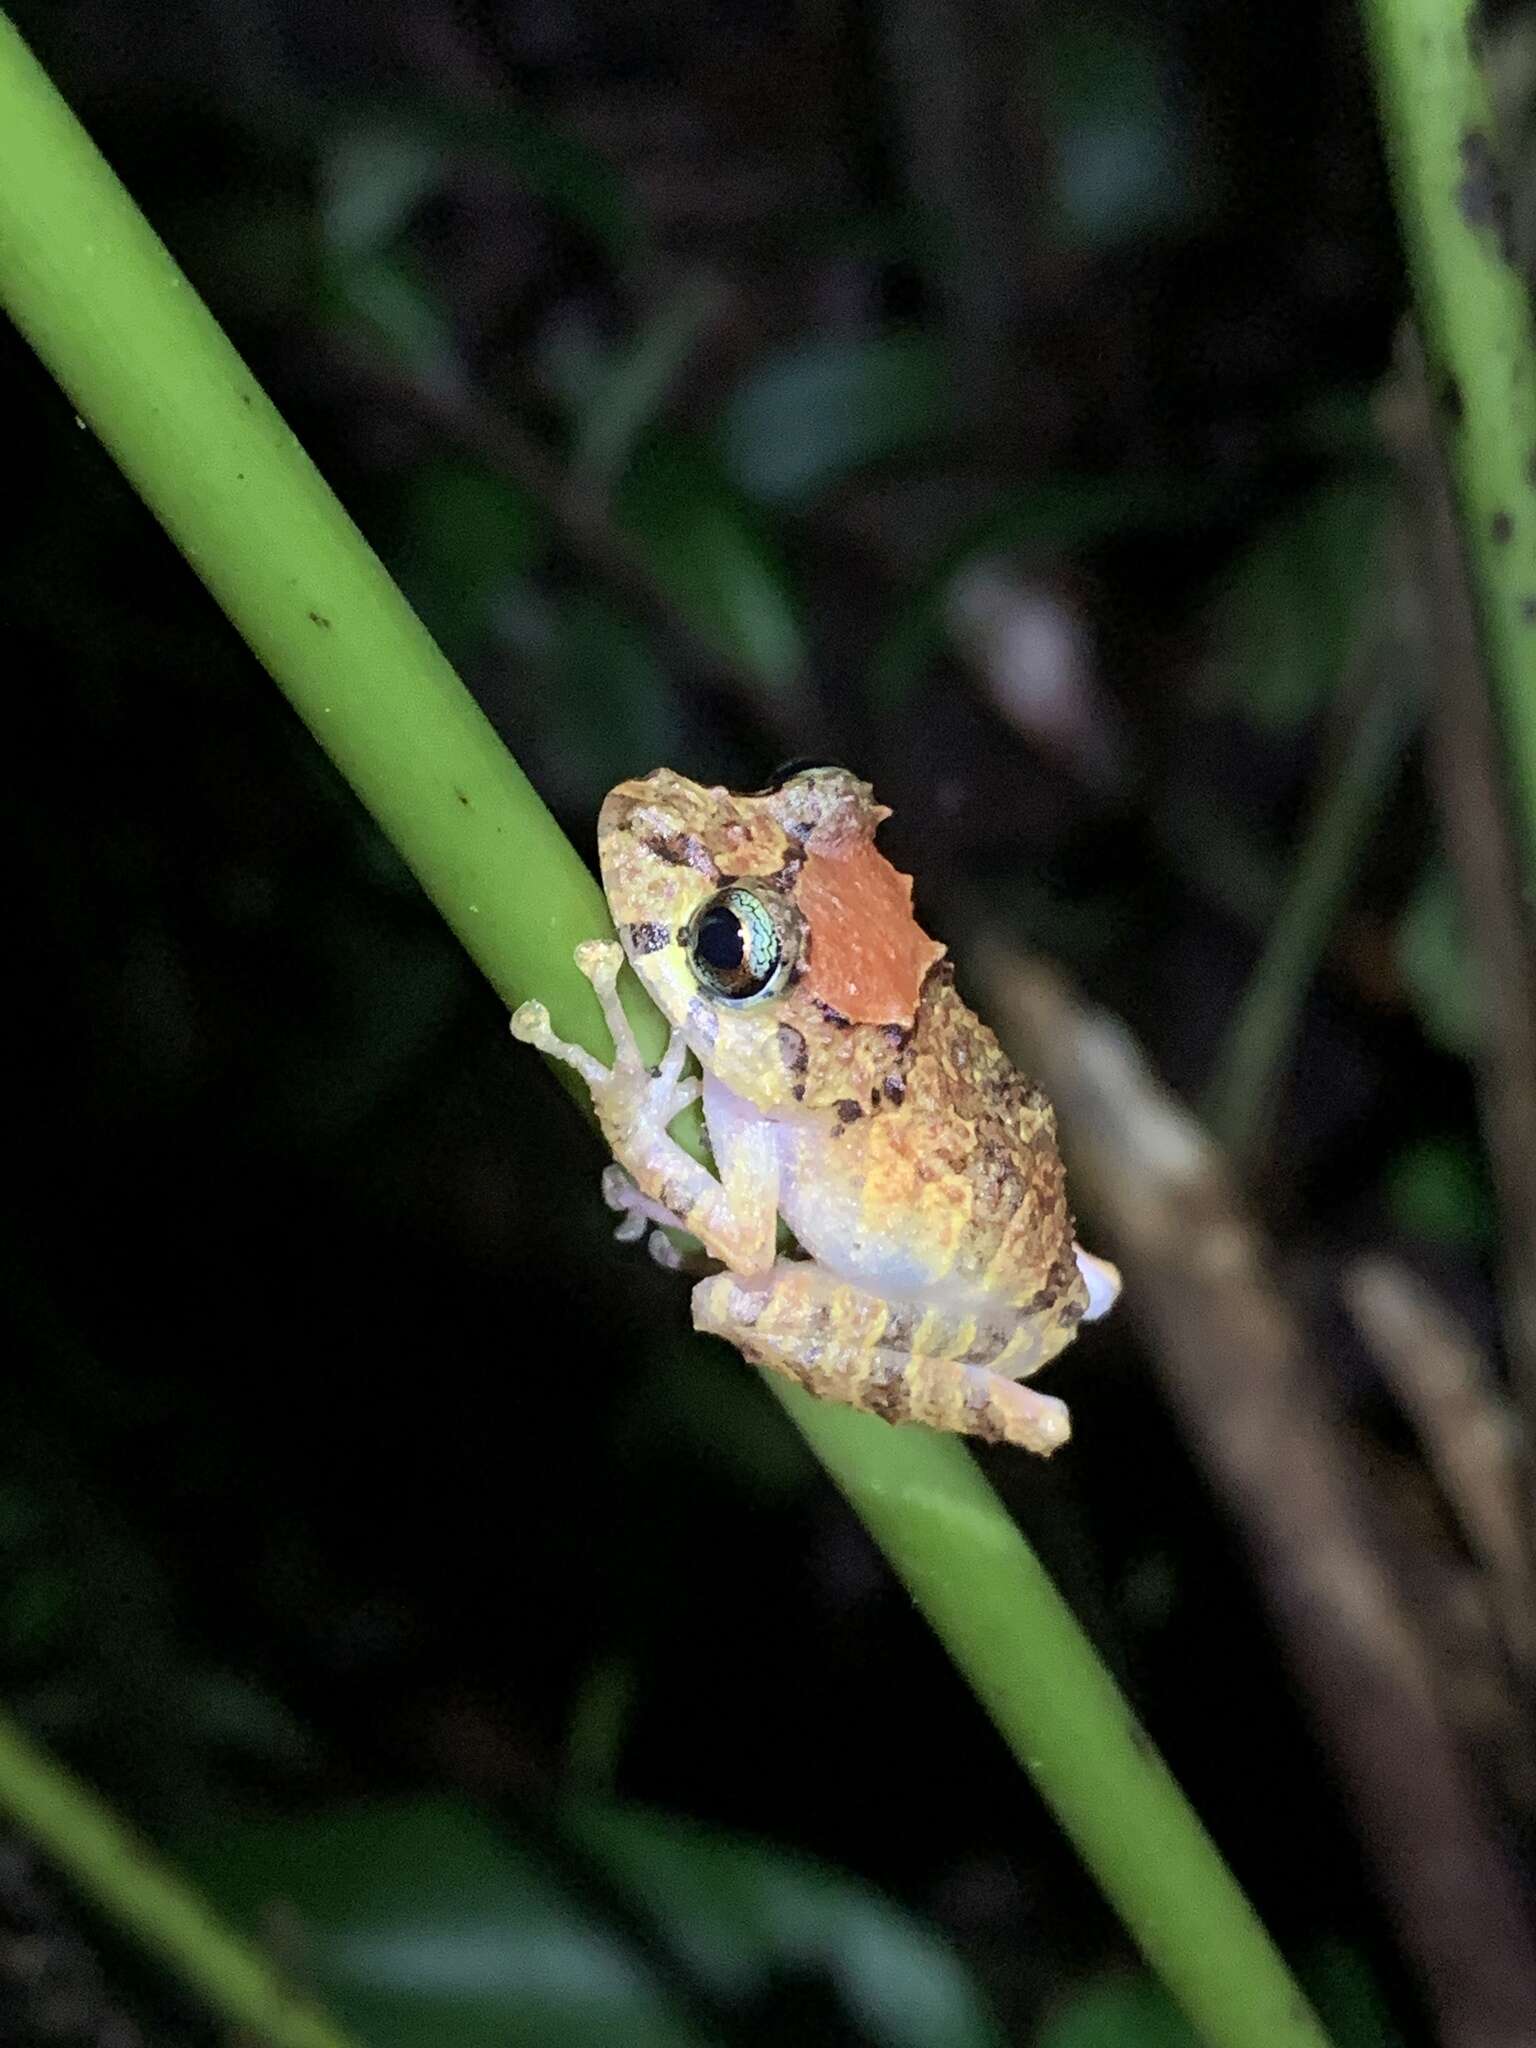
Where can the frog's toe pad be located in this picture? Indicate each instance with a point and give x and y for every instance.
(530, 1023)
(666, 1253)
(599, 959)
(1036, 1422)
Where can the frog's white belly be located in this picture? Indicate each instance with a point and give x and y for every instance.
(826, 1218)
(827, 1222)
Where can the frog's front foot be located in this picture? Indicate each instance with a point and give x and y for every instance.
(633, 1104)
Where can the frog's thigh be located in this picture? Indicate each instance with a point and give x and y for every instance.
(897, 1359)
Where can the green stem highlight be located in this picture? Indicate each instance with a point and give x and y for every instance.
(1474, 313)
(149, 370)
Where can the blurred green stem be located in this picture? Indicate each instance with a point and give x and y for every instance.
(118, 1871)
(1250, 1070)
(1474, 314)
(150, 372)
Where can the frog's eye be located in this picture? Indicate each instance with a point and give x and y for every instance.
(743, 943)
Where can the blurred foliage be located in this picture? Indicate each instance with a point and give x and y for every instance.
(1295, 604)
(1437, 1191)
(1120, 169)
(717, 568)
(805, 421)
(1432, 954)
(425, 1923)
(366, 1516)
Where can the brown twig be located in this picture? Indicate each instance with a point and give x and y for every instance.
(1235, 1365)
(1477, 1600)
(1450, 1393)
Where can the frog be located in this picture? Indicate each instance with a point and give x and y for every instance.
(848, 1093)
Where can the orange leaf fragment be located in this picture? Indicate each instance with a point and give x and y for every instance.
(869, 955)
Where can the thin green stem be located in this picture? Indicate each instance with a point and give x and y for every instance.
(1474, 313)
(121, 1874)
(147, 368)
(1246, 1085)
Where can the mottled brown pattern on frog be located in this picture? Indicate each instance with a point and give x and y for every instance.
(917, 1146)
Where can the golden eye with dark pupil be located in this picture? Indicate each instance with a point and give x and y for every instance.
(736, 945)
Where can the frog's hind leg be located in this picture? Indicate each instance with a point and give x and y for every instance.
(903, 1361)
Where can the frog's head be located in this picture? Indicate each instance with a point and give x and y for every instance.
(767, 928)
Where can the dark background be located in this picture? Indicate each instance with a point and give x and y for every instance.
(705, 374)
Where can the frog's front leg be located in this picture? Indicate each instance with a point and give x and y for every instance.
(902, 1361)
(733, 1217)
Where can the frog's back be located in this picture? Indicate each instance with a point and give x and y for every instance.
(954, 1157)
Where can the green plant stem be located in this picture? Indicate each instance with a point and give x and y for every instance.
(144, 1898)
(1474, 314)
(1246, 1085)
(990, 1601)
(148, 369)
(151, 373)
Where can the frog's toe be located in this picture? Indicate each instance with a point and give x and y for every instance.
(530, 1023)
(666, 1253)
(638, 1210)
(599, 959)
(1036, 1422)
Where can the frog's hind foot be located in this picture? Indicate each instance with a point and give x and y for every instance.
(638, 1213)
(901, 1363)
